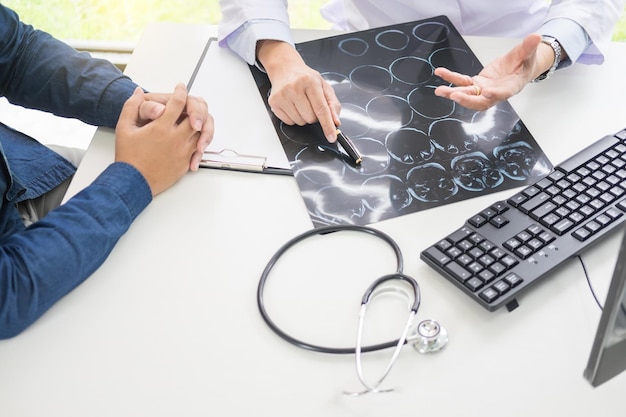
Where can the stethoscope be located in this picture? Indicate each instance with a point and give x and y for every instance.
(427, 337)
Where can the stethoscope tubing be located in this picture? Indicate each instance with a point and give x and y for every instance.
(366, 297)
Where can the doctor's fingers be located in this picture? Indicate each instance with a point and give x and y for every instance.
(453, 77)
(324, 105)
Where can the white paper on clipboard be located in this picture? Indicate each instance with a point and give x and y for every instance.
(242, 124)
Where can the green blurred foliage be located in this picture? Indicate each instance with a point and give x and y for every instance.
(123, 20)
(112, 20)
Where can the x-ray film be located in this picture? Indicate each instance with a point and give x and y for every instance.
(419, 151)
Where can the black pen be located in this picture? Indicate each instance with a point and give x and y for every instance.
(348, 146)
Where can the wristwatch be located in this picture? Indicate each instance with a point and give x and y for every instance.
(556, 47)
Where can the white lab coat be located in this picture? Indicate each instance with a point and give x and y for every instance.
(503, 18)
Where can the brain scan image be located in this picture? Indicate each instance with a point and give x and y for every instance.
(517, 160)
(431, 183)
(418, 150)
(452, 136)
(385, 194)
(475, 172)
(409, 146)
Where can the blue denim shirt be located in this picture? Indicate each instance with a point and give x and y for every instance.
(42, 263)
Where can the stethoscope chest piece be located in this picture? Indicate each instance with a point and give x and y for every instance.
(430, 337)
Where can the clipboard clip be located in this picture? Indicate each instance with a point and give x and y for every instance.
(231, 160)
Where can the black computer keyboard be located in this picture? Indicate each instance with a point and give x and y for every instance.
(508, 246)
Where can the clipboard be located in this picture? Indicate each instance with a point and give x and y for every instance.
(244, 137)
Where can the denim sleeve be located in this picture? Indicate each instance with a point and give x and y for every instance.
(41, 72)
(44, 262)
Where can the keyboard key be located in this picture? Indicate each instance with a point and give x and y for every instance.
(477, 221)
(593, 226)
(546, 237)
(559, 200)
(583, 172)
(582, 234)
(572, 205)
(499, 221)
(534, 229)
(586, 211)
(549, 219)
(613, 213)
(593, 165)
(458, 272)
(523, 251)
(562, 212)
(517, 199)
(544, 183)
(603, 186)
(497, 253)
(486, 276)
(486, 245)
(509, 261)
(543, 210)
(459, 235)
(501, 286)
(500, 207)
(562, 226)
(556, 175)
(563, 184)
(573, 178)
(489, 295)
(603, 219)
(553, 190)
(474, 284)
(476, 252)
(475, 268)
(488, 213)
(512, 244)
(444, 245)
(476, 238)
(617, 191)
(454, 252)
(531, 191)
(437, 256)
(497, 268)
(513, 279)
(607, 198)
(535, 244)
(464, 260)
(534, 202)
(597, 204)
(465, 245)
(486, 260)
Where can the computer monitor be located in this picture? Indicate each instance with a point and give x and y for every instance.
(608, 354)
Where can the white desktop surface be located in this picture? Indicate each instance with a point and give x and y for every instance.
(169, 326)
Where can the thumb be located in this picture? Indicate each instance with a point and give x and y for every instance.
(529, 45)
(130, 111)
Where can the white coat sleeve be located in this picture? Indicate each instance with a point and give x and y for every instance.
(244, 22)
(596, 17)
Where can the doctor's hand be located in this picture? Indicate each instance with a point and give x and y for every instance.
(160, 149)
(299, 93)
(501, 79)
(196, 112)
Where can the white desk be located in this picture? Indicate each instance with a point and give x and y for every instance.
(168, 326)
